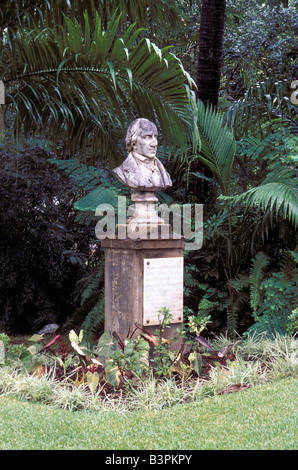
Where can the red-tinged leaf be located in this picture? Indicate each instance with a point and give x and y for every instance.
(204, 342)
(52, 342)
(224, 351)
(121, 343)
(150, 338)
(113, 374)
(153, 339)
(95, 361)
(39, 370)
(211, 359)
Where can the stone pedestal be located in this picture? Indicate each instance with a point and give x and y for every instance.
(142, 276)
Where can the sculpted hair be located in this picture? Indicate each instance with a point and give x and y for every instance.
(134, 130)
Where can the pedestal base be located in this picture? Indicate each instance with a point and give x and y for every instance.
(142, 276)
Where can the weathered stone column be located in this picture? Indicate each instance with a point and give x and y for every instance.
(141, 277)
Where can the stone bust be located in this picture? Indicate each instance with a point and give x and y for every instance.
(141, 170)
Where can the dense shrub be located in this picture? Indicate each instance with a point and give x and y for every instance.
(42, 248)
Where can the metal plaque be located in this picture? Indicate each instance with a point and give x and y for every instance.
(163, 287)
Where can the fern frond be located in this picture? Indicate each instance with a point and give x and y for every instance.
(238, 307)
(86, 176)
(95, 317)
(242, 281)
(232, 320)
(256, 276)
(269, 325)
(92, 283)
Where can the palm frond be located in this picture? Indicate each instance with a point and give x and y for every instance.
(86, 79)
(148, 14)
(277, 193)
(217, 145)
(95, 182)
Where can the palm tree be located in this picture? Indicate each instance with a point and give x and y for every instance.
(210, 50)
(81, 68)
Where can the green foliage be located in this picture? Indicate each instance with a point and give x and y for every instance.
(264, 109)
(99, 186)
(257, 199)
(81, 71)
(90, 288)
(292, 326)
(9, 352)
(260, 41)
(277, 193)
(119, 358)
(280, 146)
(75, 420)
(246, 290)
(247, 362)
(162, 358)
(95, 317)
(133, 357)
(43, 250)
(217, 145)
(270, 296)
(88, 75)
(74, 361)
(256, 275)
(279, 301)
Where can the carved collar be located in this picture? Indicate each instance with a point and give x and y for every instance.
(146, 160)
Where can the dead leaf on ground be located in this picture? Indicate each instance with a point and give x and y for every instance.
(233, 388)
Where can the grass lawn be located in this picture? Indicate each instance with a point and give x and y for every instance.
(259, 418)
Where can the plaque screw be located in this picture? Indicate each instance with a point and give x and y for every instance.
(147, 321)
(148, 262)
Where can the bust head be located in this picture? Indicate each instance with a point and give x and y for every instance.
(141, 169)
(142, 137)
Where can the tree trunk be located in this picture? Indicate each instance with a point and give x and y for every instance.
(210, 50)
(208, 76)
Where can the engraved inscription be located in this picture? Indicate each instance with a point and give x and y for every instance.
(163, 287)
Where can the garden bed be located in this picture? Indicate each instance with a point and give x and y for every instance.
(247, 363)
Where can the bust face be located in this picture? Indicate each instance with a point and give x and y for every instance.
(146, 144)
(144, 138)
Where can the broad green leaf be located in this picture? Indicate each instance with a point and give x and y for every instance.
(73, 337)
(35, 338)
(92, 380)
(196, 362)
(106, 345)
(113, 374)
(77, 348)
